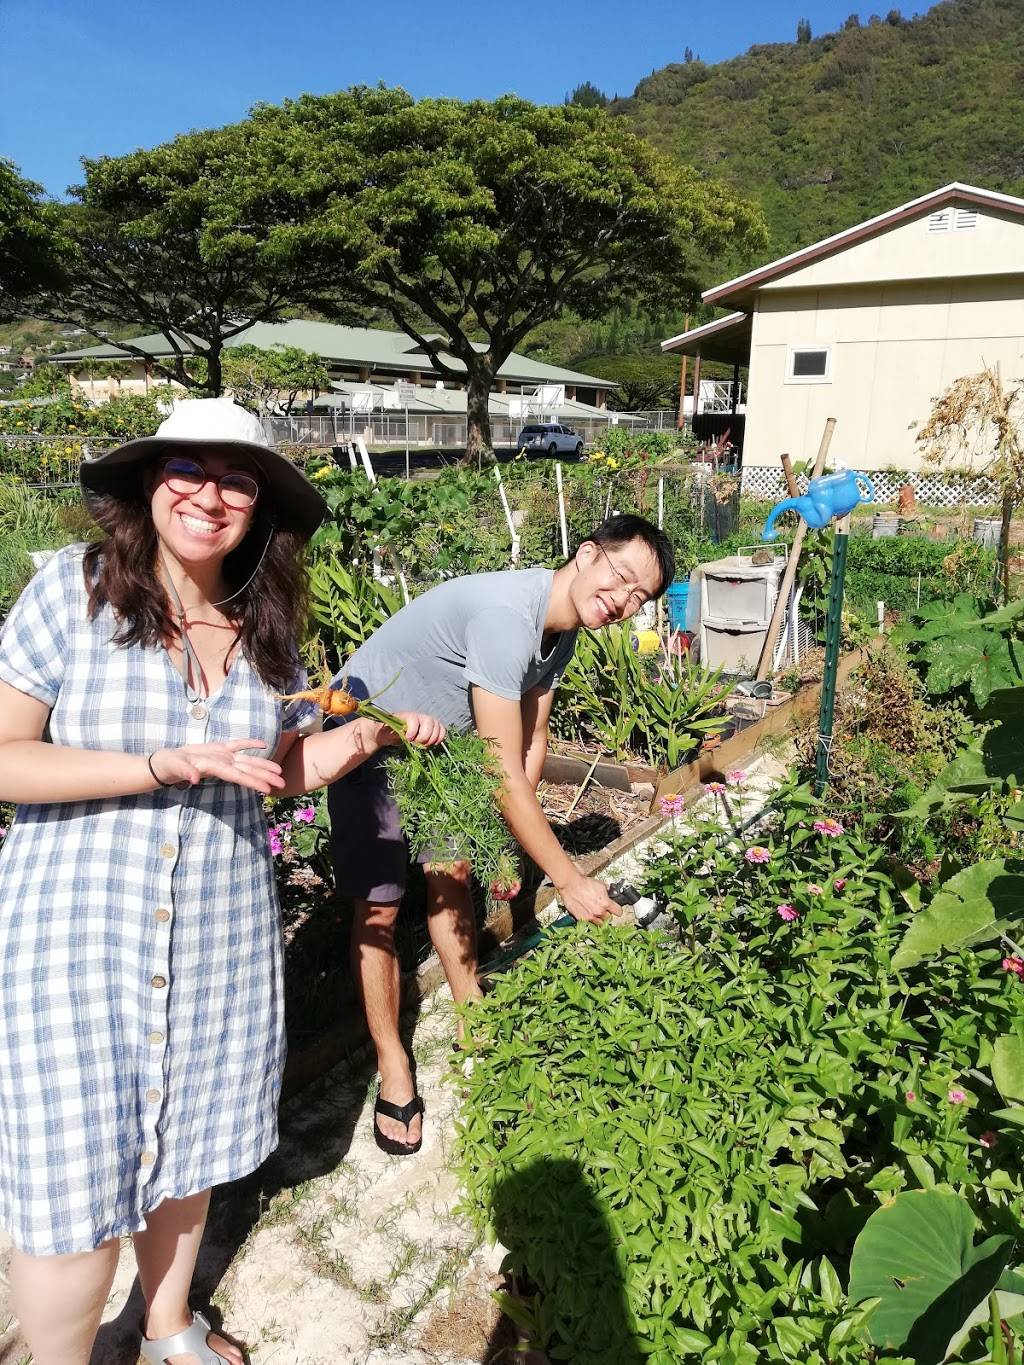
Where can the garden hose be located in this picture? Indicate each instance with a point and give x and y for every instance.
(646, 911)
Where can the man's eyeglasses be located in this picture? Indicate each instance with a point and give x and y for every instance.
(236, 490)
(637, 596)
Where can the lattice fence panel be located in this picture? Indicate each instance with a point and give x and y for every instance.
(762, 481)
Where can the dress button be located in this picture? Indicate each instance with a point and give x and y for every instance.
(152, 1096)
(162, 916)
(167, 850)
(156, 1037)
(198, 711)
(158, 982)
(147, 1158)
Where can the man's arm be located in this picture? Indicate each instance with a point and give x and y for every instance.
(536, 712)
(501, 721)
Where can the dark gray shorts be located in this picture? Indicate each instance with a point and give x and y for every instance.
(370, 853)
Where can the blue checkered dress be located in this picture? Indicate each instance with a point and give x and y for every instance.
(141, 999)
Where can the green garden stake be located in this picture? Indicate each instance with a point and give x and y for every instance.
(833, 636)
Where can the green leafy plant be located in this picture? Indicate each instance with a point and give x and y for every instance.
(612, 696)
(966, 644)
(448, 800)
(916, 1260)
(739, 1101)
(348, 605)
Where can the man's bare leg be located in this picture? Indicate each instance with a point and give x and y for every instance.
(452, 924)
(375, 969)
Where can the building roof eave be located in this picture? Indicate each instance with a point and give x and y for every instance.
(741, 289)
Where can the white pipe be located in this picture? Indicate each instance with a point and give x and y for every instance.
(661, 504)
(561, 511)
(508, 516)
(364, 455)
(881, 617)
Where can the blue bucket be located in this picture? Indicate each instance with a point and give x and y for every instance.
(675, 600)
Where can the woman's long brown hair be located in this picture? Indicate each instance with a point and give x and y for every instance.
(270, 611)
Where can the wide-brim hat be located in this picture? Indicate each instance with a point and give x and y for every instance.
(219, 425)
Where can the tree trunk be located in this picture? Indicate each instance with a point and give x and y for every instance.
(214, 374)
(480, 381)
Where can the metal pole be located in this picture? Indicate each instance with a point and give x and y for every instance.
(833, 634)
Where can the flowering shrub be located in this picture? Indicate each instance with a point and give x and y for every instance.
(736, 1104)
(298, 833)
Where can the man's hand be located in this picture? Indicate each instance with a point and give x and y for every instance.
(587, 898)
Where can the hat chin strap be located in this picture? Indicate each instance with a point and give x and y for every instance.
(190, 665)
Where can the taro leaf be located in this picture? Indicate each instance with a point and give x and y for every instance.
(1008, 1067)
(916, 1256)
(999, 760)
(974, 906)
(987, 659)
(1009, 1306)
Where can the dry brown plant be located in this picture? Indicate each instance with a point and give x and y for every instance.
(977, 426)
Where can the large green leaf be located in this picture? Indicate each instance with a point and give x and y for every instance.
(999, 761)
(1008, 1067)
(974, 906)
(986, 659)
(916, 1256)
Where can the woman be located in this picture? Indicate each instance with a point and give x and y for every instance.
(141, 1003)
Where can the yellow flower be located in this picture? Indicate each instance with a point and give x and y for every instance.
(613, 463)
(322, 473)
(597, 455)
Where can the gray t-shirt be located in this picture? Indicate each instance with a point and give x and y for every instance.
(485, 629)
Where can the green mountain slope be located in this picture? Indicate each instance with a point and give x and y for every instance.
(826, 133)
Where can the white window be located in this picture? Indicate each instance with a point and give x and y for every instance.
(941, 221)
(966, 218)
(809, 365)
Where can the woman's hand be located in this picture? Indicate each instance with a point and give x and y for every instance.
(228, 762)
(419, 729)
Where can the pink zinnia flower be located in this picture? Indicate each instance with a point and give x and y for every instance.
(305, 815)
(839, 883)
(714, 788)
(988, 1139)
(3, 831)
(787, 913)
(757, 854)
(910, 1096)
(832, 828)
(813, 889)
(737, 776)
(670, 805)
(1015, 965)
(276, 846)
(956, 1096)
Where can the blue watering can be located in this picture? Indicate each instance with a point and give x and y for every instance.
(831, 495)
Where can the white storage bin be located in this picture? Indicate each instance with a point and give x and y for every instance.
(736, 590)
(736, 648)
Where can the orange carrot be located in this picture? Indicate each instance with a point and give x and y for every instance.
(333, 701)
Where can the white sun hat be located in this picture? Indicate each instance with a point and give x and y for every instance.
(216, 425)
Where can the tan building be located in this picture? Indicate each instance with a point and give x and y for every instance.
(869, 325)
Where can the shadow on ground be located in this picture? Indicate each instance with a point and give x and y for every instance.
(561, 1247)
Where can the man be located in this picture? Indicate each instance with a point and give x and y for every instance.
(484, 651)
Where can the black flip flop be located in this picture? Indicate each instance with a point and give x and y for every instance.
(401, 1113)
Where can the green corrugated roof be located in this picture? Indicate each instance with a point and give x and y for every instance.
(354, 345)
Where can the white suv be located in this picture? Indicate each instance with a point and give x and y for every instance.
(550, 437)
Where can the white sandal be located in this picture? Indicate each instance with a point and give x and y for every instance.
(191, 1340)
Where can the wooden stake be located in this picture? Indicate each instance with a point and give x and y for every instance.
(767, 653)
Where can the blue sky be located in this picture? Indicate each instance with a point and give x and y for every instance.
(94, 77)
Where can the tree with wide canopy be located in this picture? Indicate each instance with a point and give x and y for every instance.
(468, 224)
